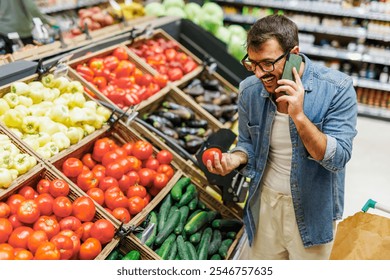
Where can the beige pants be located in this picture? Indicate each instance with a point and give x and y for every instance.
(277, 237)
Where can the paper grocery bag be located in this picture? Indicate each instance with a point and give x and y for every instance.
(363, 236)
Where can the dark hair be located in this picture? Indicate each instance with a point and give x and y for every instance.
(278, 27)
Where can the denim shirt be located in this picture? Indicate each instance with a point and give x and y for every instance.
(317, 187)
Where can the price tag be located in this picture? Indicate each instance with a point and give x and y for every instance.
(13, 36)
(62, 67)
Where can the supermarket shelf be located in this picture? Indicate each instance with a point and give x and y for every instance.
(375, 112)
(312, 7)
(70, 6)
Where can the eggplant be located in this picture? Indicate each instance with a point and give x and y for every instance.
(174, 118)
(228, 111)
(170, 132)
(201, 123)
(223, 99)
(193, 143)
(183, 131)
(212, 94)
(210, 84)
(195, 90)
(183, 113)
(179, 142)
(213, 109)
(157, 121)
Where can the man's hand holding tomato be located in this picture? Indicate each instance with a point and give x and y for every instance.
(226, 162)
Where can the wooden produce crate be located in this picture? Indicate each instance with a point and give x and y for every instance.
(105, 52)
(23, 149)
(125, 245)
(209, 204)
(6, 58)
(32, 52)
(159, 33)
(49, 174)
(121, 134)
(219, 95)
(90, 132)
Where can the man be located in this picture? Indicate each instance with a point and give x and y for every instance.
(294, 141)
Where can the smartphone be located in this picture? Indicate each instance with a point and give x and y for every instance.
(293, 60)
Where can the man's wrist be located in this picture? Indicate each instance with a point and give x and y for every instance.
(243, 158)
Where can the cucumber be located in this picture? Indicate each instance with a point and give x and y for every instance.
(152, 220)
(215, 242)
(204, 244)
(184, 210)
(114, 255)
(215, 257)
(171, 210)
(166, 246)
(201, 205)
(195, 238)
(191, 250)
(193, 203)
(182, 248)
(164, 211)
(169, 227)
(193, 214)
(196, 223)
(227, 224)
(173, 252)
(231, 235)
(211, 215)
(132, 255)
(177, 189)
(190, 193)
(223, 249)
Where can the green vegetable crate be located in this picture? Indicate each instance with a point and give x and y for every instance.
(47, 173)
(190, 224)
(121, 133)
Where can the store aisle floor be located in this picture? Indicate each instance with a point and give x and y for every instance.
(368, 172)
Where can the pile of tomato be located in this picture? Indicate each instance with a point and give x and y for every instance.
(119, 79)
(43, 223)
(121, 178)
(166, 57)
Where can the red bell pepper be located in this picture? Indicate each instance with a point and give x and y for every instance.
(85, 72)
(100, 82)
(120, 53)
(97, 65)
(110, 62)
(117, 95)
(125, 68)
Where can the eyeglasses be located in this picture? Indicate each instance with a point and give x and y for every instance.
(265, 66)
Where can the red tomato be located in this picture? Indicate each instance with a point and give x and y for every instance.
(135, 163)
(43, 186)
(5, 210)
(70, 222)
(125, 163)
(59, 187)
(167, 169)
(114, 197)
(103, 230)
(100, 147)
(15, 221)
(120, 53)
(47, 251)
(99, 170)
(108, 182)
(64, 244)
(62, 206)
(136, 204)
(5, 229)
(23, 254)
(14, 201)
(28, 211)
(90, 249)
(160, 180)
(152, 163)
(84, 209)
(87, 180)
(142, 149)
(35, 239)
(121, 214)
(75, 238)
(134, 177)
(96, 194)
(115, 169)
(147, 198)
(19, 236)
(28, 192)
(128, 148)
(86, 230)
(164, 157)
(88, 160)
(45, 203)
(146, 177)
(209, 154)
(72, 167)
(48, 224)
(124, 183)
(137, 190)
(110, 156)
